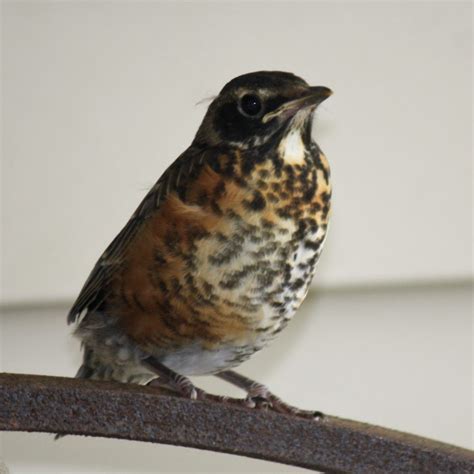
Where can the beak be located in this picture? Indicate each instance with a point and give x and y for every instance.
(311, 99)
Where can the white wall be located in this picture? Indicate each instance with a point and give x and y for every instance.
(99, 97)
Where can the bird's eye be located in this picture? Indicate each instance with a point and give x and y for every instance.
(250, 105)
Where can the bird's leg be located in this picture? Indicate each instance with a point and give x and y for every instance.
(170, 379)
(180, 384)
(258, 396)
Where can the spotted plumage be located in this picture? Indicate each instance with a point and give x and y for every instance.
(220, 253)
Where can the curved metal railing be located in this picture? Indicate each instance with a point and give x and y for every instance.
(71, 406)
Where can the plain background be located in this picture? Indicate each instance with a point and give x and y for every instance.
(98, 98)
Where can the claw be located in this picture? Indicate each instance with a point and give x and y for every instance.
(261, 402)
(250, 402)
(265, 400)
(318, 415)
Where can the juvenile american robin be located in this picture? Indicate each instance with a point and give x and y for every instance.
(221, 251)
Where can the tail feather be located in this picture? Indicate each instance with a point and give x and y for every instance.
(85, 370)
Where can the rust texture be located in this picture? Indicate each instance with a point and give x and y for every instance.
(333, 445)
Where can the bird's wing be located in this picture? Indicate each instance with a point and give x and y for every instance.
(95, 289)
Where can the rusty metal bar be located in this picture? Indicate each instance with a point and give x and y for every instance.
(333, 445)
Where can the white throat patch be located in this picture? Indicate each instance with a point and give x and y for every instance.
(292, 148)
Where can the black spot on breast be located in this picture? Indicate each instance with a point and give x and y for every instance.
(255, 239)
(239, 181)
(266, 224)
(325, 197)
(234, 279)
(207, 287)
(311, 245)
(257, 203)
(219, 190)
(272, 197)
(309, 193)
(299, 283)
(284, 212)
(231, 249)
(220, 237)
(216, 209)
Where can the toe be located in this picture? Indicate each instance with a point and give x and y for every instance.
(318, 415)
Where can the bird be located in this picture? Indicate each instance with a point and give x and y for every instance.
(220, 253)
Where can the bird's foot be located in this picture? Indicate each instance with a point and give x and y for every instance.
(259, 397)
(179, 384)
(173, 381)
(185, 388)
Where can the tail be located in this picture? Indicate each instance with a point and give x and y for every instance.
(86, 370)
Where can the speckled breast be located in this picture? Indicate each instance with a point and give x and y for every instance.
(224, 263)
(259, 264)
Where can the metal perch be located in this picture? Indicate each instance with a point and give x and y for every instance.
(70, 406)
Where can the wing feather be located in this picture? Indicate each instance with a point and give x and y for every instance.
(96, 287)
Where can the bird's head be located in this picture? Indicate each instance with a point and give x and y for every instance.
(254, 107)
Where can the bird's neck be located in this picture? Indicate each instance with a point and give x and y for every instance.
(292, 148)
